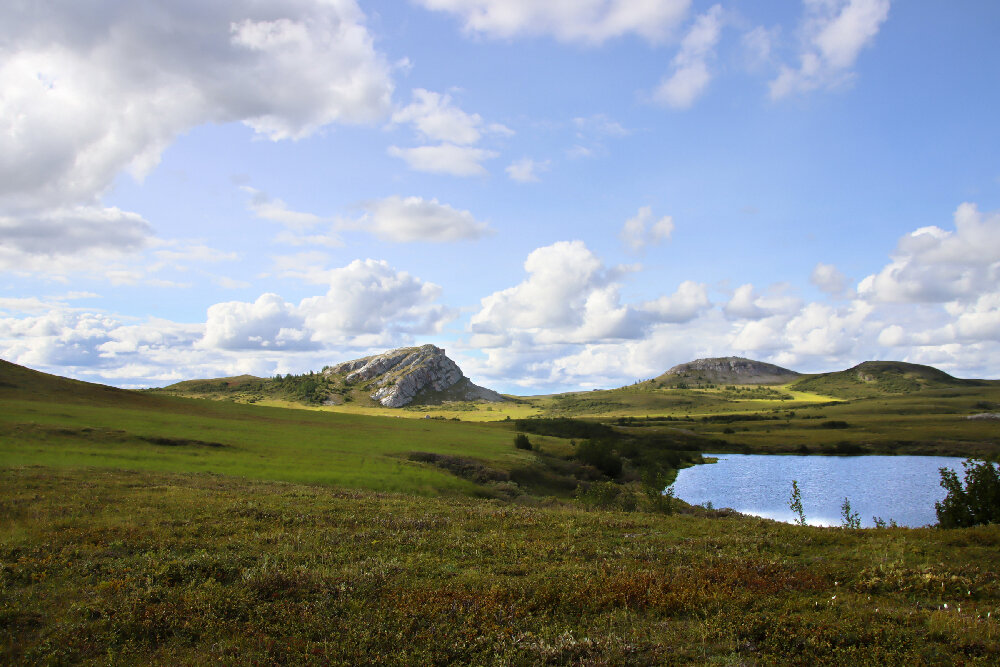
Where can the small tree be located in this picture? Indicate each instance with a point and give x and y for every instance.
(795, 504)
(851, 519)
(975, 503)
(521, 441)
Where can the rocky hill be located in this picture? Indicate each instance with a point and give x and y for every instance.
(727, 370)
(409, 375)
(397, 378)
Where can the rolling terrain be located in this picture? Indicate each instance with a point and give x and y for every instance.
(146, 528)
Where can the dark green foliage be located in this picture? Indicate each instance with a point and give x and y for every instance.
(562, 427)
(977, 502)
(834, 423)
(521, 441)
(601, 456)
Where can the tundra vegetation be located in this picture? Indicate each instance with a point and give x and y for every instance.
(144, 528)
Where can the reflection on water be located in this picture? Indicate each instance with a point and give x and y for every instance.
(902, 488)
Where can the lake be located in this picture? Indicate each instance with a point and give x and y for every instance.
(903, 488)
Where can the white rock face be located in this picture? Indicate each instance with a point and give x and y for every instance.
(401, 374)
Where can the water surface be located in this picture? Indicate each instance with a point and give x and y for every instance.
(903, 488)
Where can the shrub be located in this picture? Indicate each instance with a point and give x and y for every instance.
(974, 503)
(521, 441)
(850, 519)
(601, 456)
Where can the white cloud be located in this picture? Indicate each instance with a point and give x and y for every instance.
(408, 219)
(933, 265)
(641, 230)
(835, 33)
(829, 279)
(570, 297)
(70, 238)
(437, 119)
(587, 21)
(691, 75)
(526, 170)
(270, 321)
(368, 303)
(445, 159)
(744, 304)
(278, 211)
(397, 219)
(132, 81)
(689, 301)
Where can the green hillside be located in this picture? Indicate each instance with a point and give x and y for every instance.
(873, 378)
(48, 420)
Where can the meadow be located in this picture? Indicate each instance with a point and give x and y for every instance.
(127, 567)
(150, 529)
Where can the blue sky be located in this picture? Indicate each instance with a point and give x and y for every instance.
(563, 195)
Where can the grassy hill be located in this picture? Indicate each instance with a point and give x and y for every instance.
(875, 378)
(48, 420)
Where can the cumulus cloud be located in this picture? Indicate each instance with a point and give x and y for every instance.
(570, 297)
(132, 81)
(835, 32)
(407, 219)
(641, 230)
(270, 321)
(588, 21)
(691, 76)
(367, 303)
(445, 159)
(690, 300)
(366, 306)
(933, 265)
(526, 170)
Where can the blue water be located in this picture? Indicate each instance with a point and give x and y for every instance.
(902, 488)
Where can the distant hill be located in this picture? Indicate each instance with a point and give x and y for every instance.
(405, 376)
(20, 382)
(726, 370)
(882, 377)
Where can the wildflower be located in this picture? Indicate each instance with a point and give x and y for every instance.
(945, 605)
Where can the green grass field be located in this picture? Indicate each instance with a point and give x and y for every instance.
(143, 529)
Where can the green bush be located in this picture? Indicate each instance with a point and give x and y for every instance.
(521, 441)
(976, 502)
(601, 456)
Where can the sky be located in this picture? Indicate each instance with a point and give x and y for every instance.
(563, 195)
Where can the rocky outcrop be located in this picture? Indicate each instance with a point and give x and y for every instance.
(732, 370)
(423, 374)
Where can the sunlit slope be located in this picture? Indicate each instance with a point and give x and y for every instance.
(876, 378)
(48, 420)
